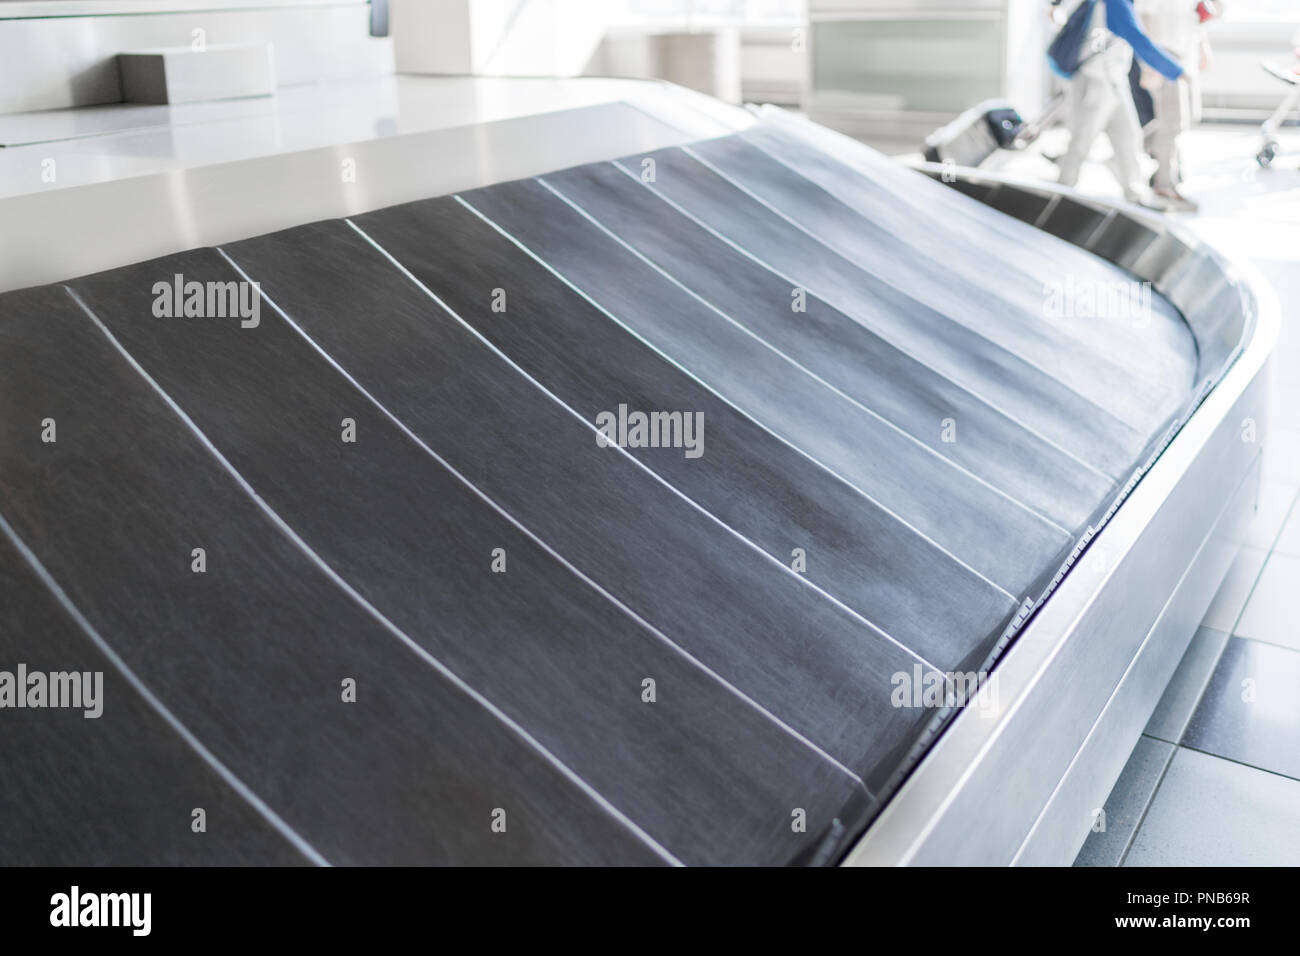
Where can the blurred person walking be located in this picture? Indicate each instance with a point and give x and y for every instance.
(1177, 27)
(1100, 100)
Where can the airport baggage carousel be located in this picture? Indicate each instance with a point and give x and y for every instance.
(627, 513)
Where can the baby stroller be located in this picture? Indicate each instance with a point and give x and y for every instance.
(1268, 152)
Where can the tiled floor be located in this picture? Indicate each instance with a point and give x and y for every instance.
(1215, 778)
(1211, 811)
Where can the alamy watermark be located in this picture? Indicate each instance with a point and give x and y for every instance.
(927, 688)
(636, 429)
(208, 300)
(75, 908)
(77, 690)
(1082, 298)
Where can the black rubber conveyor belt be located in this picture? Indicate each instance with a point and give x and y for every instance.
(366, 582)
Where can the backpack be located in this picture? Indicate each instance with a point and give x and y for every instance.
(1065, 53)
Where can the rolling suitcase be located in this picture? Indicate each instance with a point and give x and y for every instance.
(975, 135)
(981, 131)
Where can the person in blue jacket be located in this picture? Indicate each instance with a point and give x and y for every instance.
(1100, 99)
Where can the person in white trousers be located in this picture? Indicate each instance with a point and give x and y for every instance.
(1100, 99)
(1176, 26)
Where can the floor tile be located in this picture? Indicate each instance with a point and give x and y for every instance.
(1273, 507)
(1285, 278)
(1282, 455)
(1127, 802)
(1231, 597)
(1286, 391)
(1273, 612)
(1239, 237)
(1250, 711)
(1286, 358)
(1288, 542)
(1185, 687)
(1283, 275)
(1213, 812)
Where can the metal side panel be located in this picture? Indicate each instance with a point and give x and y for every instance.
(1063, 826)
